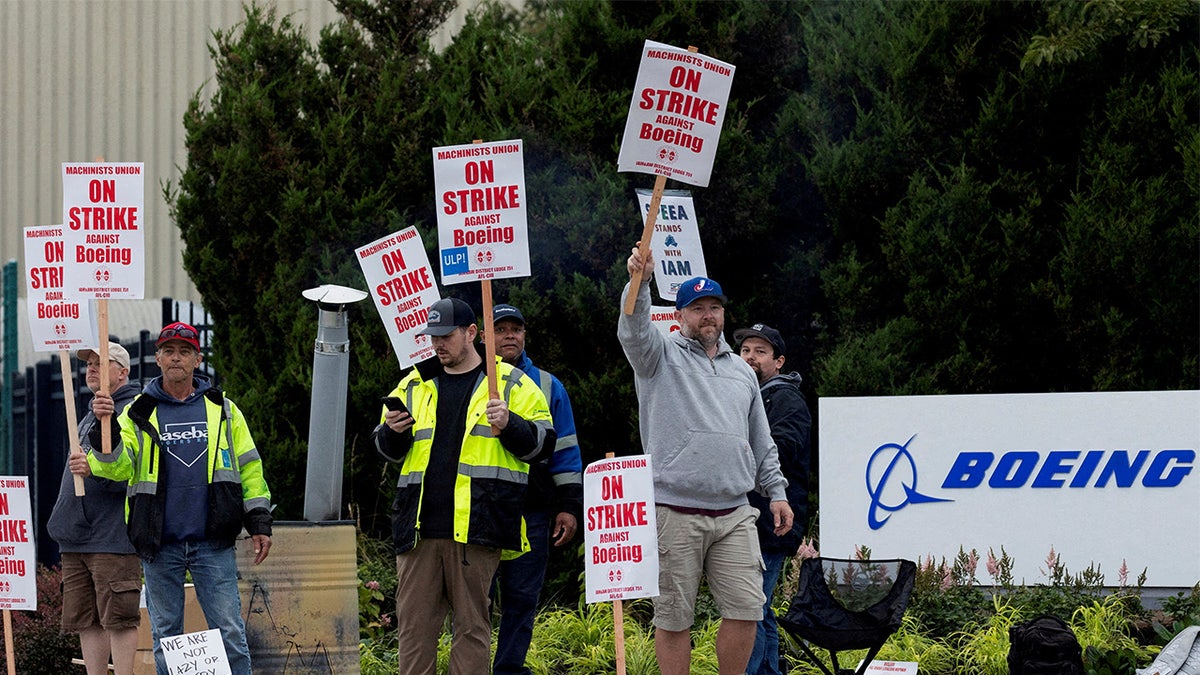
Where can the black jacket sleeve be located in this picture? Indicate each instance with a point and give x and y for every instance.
(390, 445)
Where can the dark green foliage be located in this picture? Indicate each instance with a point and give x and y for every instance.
(39, 646)
(1123, 661)
(916, 203)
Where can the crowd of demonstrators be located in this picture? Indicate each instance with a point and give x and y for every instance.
(763, 348)
(461, 490)
(701, 418)
(553, 502)
(101, 575)
(488, 486)
(195, 479)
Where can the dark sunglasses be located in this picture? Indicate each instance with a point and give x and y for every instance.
(185, 333)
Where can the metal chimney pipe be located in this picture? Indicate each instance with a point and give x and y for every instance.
(327, 414)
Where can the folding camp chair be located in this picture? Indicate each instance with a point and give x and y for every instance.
(848, 604)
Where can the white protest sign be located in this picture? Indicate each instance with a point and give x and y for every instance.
(482, 224)
(676, 246)
(620, 536)
(401, 281)
(675, 117)
(890, 667)
(201, 653)
(56, 323)
(663, 318)
(18, 578)
(103, 242)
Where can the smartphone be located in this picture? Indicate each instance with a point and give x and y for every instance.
(394, 403)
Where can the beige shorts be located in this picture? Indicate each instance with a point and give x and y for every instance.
(724, 549)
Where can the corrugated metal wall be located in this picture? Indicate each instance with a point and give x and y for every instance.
(82, 79)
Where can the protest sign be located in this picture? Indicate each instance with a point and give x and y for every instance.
(678, 252)
(620, 533)
(400, 278)
(663, 318)
(676, 114)
(103, 243)
(482, 223)
(18, 578)
(201, 653)
(56, 322)
(890, 667)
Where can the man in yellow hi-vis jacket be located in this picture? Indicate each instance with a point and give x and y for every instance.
(461, 488)
(195, 480)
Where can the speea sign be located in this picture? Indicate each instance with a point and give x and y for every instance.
(1102, 478)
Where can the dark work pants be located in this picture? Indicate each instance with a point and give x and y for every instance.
(520, 582)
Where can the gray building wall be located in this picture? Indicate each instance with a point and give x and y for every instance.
(82, 79)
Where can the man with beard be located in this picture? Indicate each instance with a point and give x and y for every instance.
(702, 420)
(458, 501)
(762, 347)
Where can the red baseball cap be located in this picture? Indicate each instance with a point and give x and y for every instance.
(179, 331)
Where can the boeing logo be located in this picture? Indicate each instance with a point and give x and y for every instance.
(1071, 469)
(892, 462)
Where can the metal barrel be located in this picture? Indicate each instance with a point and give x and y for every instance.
(301, 603)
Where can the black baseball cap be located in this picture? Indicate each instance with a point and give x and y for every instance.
(761, 330)
(447, 314)
(507, 312)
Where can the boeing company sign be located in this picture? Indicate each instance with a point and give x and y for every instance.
(1104, 478)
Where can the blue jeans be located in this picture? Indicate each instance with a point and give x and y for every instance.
(764, 660)
(520, 582)
(214, 572)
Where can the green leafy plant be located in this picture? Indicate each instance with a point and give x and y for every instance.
(39, 647)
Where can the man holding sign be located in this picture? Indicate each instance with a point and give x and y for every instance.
(464, 468)
(701, 417)
(195, 480)
(102, 577)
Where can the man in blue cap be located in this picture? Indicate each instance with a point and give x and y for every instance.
(702, 420)
(553, 502)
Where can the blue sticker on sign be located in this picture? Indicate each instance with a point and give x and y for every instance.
(455, 261)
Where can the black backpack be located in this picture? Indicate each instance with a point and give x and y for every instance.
(1044, 646)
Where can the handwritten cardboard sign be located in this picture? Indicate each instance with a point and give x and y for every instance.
(201, 653)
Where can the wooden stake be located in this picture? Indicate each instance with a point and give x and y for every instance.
(489, 338)
(660, 182)
(8, 643)
(102, 316)
(64, 360)
(489, 344)
(618, 619)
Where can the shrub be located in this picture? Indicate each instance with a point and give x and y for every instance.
(40, 648)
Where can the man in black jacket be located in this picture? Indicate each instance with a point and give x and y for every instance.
(763, 348)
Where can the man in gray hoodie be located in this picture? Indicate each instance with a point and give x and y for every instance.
(702, 420)
(102, 576)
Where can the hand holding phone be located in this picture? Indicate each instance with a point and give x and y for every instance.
(394, 403)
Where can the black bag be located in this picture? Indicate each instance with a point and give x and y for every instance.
(1044, 646)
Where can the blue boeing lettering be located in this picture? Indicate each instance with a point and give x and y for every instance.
(1121, 468)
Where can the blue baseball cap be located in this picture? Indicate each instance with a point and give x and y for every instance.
(695, 288)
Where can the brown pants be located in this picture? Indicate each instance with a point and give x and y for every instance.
(436, 577)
